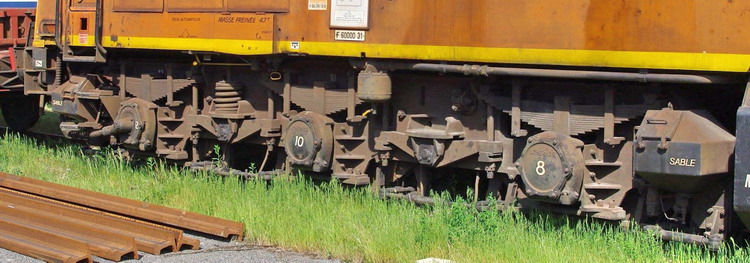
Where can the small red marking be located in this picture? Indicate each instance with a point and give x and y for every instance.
(12, 58)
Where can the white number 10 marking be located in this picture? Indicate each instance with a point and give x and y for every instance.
(299, 141)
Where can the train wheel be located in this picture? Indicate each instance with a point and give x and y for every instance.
(21, 112)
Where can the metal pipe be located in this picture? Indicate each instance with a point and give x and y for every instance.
(98, 28)
(226, 64)
(484, 70)
(269, 149)
(477, 70)
(58, 10)
(410, 194)
(120, 126)
(224, 171)
(417, 199)
(711, 243)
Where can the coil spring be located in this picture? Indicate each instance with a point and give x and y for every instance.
(58, 71)
(228, 96)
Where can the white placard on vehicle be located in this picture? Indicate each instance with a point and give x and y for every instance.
(350, 14)
(349, 35)
(317, 4)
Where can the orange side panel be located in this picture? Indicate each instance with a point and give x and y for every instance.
(195, 6)
(190, 25)
(628, 25)
(258, 5)
(668, 34)
(80, 29)
(139, 6)
(81, 5)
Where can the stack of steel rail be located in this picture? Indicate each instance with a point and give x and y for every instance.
(57, 223)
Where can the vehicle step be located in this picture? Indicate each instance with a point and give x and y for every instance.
(171, 136)
(352, 179)
(170, 120)
(602, 186)
(172, 155)
(349, 138)
(598, 163)
(350, 157)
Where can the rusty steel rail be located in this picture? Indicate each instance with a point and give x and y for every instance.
(107, 245)
(42, 245)
(148, 238)
(47, 222)
(122, 206)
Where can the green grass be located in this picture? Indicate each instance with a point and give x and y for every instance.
(349, 224)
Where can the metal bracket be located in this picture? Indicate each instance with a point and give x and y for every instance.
(516, 130)
(609, 118)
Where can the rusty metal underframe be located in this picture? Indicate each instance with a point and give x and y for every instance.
(63, 224)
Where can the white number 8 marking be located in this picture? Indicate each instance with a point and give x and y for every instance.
(540, 168)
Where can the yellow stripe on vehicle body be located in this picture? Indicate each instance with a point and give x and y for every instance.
(590, 58)
(231, 46)
(42, 43)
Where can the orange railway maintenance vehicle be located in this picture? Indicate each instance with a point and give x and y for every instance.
(628, 111)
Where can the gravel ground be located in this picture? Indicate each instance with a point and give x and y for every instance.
(212, 251)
